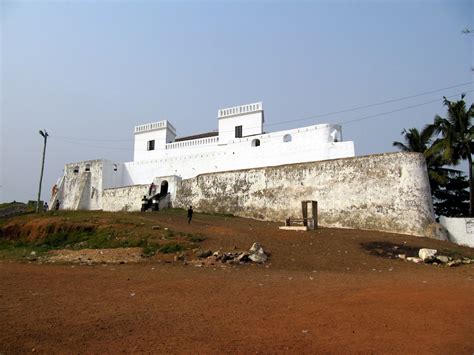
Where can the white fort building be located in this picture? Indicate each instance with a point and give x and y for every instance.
(159, 156)
(243, 170)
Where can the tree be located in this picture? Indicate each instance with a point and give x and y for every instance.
(440, 178)
(452, 198)
(420, 142)
(456, 138)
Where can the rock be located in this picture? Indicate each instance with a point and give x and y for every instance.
(427, 255)
(442, 259)
(243, 257)
(204, 253)
(437, 231)
(414, 259)
(256, 253)
(454, 262)
(156, 227)
(33, 253)
(402, 256)
(466, 261)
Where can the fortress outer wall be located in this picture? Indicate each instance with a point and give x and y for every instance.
(385, 192)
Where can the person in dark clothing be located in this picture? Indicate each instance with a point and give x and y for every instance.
(56, 205)
(151, 189)
(190, 214)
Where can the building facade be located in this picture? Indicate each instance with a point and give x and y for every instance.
(239, 143)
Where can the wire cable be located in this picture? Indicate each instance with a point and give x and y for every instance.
(355, 108)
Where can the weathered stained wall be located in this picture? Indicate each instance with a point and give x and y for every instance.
(387, 192)
(128, 198)
(81, 188)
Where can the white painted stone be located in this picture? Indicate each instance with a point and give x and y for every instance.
(426, 254)
(461, 230)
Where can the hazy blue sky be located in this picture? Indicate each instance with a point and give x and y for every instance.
(89, 71)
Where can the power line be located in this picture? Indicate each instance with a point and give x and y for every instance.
(355, 108)
(398, 110)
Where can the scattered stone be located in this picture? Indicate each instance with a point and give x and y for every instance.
(427, 255)
(414, 259)
(454, 263)
(243, 257)
(442, 259)
(402, 256)
(33, 253)
(256, 253)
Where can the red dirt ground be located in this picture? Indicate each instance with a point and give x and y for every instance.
(321, 292)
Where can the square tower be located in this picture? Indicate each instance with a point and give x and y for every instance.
(151, 138)
(240, 121)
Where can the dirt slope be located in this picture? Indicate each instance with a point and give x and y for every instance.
(321, 292)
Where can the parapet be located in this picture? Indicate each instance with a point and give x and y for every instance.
(239, 110)
(148, 127)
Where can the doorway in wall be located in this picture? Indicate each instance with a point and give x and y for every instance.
(164, 188)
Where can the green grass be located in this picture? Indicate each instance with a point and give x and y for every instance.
(171, 248)
(95, 230)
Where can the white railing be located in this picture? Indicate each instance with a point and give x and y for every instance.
(155, 125)
(237, 110)
(193, 143)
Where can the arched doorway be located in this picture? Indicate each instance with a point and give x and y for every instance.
(164, 188)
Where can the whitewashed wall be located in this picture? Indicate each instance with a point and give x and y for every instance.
(187, 159)
(386, 192)
(461, 230)
(128, 198)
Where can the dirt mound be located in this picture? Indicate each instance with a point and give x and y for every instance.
(38, 229)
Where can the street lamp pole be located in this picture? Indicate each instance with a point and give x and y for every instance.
(45, 137)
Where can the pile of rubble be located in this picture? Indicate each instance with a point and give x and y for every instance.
(430, 256)
(255, 254)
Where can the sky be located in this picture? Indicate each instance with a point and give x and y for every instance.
(89, 71)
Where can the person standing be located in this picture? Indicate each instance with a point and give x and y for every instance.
(190, 214)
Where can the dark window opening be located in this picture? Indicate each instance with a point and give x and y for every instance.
(150, 145)
(287, 138)
(88, 167)
(76, 169)
(238, 131)
(256, 143)
(115, 167)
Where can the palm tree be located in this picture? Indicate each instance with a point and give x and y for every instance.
(420, 142)
(457, 136)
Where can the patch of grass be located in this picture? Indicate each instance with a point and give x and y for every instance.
(171, 248)
(195, 238)
(150, 249)
(169, 234)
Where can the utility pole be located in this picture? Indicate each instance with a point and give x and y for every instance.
(45, 136)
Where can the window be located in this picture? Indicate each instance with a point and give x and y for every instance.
(238, 131)
(287, 138)
(256, 143)
(76, 169)
(88, 167)
(150, 145)
(115, 167)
